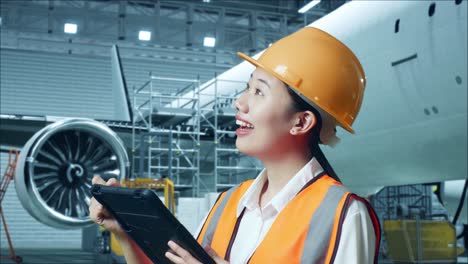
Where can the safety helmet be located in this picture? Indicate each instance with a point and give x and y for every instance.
(321, 69)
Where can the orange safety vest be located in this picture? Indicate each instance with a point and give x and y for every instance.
(307, 230)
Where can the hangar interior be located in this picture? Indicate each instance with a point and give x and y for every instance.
(140, 80)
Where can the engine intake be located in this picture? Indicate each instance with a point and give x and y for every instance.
(56, 166)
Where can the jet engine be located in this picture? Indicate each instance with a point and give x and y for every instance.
(56, 166)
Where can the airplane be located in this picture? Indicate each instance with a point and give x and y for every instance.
(412, 127)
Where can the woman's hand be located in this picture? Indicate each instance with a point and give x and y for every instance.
(182, 256)
(100, 215)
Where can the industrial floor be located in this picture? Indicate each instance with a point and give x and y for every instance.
(69, 256)
(61, 256)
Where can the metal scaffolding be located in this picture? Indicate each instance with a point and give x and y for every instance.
(172, 117)
(166, 132)
(397, 202)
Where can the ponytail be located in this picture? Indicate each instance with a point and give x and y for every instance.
(300, 104)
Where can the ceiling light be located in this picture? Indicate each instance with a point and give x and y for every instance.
(70, 28)
(308, 6)
(206, 1)
(209, 42)
(144, 35)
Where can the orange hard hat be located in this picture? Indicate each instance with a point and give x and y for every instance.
(320, 69)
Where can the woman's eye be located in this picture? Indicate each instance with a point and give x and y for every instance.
(258, 92)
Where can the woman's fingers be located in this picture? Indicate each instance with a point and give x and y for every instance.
(174, 258)
(214, 255)
(180, 255)
(113, 182)
(94, 209)
(98, 180)
(99, 213)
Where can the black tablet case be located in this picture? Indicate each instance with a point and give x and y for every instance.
(144, 217)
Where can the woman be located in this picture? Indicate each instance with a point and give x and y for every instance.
(296, 210)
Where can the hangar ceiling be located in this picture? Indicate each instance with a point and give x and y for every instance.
(247, 26)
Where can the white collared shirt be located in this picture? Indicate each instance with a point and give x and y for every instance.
(357, 243)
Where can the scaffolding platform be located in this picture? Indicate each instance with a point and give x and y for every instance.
(167, 117)
(226, 117)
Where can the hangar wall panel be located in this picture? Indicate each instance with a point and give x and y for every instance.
(41, 83)
(36, 83)
(25, 231)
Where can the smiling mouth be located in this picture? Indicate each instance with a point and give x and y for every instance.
(244, 125)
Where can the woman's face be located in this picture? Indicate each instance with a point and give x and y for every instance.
(265, 116)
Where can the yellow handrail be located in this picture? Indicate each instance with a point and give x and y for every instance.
(164, 184)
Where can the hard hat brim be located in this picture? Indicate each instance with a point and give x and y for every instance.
(258, 64)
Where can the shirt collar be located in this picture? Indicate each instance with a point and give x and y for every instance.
(250, 198)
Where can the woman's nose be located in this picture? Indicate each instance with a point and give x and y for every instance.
(240, 104)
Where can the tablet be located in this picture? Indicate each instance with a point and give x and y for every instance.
(146, 219)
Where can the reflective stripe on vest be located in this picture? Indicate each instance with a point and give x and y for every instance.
(307, 230)
(210, 227)
(208, 235)
(320, 226)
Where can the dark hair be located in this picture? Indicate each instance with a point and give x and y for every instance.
(300, 105)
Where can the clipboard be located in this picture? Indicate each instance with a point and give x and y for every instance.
(144, 217)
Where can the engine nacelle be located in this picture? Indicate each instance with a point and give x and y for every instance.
(56, 166)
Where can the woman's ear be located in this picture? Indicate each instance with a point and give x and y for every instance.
(303, 123)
